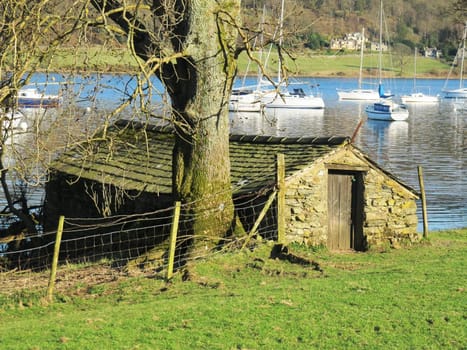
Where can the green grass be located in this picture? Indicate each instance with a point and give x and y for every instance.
(304, 64)
(348, 65)
(413, 298)
(93, 59)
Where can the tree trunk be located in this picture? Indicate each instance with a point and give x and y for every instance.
(195, 42)
(201, 171)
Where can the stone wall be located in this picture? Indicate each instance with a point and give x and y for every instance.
(306, 202)
(390, 210)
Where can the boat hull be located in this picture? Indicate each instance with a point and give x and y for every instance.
(38, 103)
(244, 106)
(293, 102)
(245, 101)
(419, 98)
(456, 94)
(31, 98)
(358, 95)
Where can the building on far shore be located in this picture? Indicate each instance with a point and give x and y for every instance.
(354, 42)
(432, 52)
(351, 42)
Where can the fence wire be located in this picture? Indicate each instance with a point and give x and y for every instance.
(116, 245)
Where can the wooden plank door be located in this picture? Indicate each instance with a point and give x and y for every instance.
(340, 211)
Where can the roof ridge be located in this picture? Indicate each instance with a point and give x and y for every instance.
(244, 138)
(137, 125)
(304, 140)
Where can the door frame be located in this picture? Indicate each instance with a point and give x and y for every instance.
(355, 228)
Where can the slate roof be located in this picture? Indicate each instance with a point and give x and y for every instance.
(136, 158)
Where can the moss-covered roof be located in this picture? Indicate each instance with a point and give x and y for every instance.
(139, 158)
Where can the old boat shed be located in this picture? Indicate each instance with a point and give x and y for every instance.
(336, 196)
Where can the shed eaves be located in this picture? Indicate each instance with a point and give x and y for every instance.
(133, 157)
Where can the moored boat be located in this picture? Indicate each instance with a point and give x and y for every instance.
(284, 94)
(32, 98)
(387, 110)
(292, 99)
(419, 97)
(456, 93)
(359, 93)
(461, 91)
(245, 100)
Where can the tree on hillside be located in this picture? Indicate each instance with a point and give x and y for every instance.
(191, 47)
(460, 9)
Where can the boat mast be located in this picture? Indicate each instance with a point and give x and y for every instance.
(361, 59)
(380, 61)
(281, 33)
(461, 80)
(415, 70)
(261, 28)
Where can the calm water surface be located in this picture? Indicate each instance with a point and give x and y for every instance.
(433, 137)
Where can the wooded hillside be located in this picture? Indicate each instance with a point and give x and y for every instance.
(419, 23)
(313, 23)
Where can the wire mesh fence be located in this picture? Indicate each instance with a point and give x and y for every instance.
(121, 245)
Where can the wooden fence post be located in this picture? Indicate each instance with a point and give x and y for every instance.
(173, 240)
(53, 269)
(422, 191)
(280, 184)
(261, 216)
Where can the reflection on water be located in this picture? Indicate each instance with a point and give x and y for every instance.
(388, 139)
(277, 122)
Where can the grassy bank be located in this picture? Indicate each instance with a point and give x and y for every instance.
(348, 65)
(412, 298)
(304, 64)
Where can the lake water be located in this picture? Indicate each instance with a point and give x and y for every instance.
(433, 137)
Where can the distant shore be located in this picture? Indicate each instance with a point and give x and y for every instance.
(303, 64)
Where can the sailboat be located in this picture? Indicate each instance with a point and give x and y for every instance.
(286, 95)
(418, 96)
(386, 108)
(245, 99)
(359, 93)
(248, 98)
(29, 97)
(461, 92)
(289, 97)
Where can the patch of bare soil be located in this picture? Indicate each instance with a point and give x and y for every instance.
(74, 280)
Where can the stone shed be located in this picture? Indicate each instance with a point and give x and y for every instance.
(335, 194)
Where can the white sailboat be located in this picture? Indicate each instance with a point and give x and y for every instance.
(417, 96)
(461, 91)
(29, 97)
(245, 99)
(292, 98)
(289, 96)
(386, 108)
(248, 98)
(359, 93)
